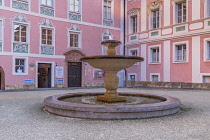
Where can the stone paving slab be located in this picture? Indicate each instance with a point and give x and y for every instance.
(22, 118)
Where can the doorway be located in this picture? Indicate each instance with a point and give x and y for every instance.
(2, 79)
(44, 75)
(74, 74)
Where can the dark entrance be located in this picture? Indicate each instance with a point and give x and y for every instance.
(74, 74)
(44, 75)
(2, 79)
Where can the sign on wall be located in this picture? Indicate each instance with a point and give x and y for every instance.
(59, 72)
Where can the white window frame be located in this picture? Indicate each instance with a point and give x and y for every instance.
(175, 52)
(151, 17)
(207, 8)
(150, 54)
(79, 39)
(175, 9)
(53, 36)
(25, 65)
(52, 1)
(206, 50)
(112, 12)
(129, 76)
(133, 29)
(154, 74)
(2, 33)
(27, 33)
(79, 6)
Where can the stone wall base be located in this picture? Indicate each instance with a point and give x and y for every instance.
(168, 84)
(13, 87)
(94, 84)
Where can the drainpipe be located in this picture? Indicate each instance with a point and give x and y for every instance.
(124, 36)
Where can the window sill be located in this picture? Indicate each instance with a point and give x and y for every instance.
(155, 63)
(181, 61)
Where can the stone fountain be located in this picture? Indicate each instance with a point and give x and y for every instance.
(111, 105)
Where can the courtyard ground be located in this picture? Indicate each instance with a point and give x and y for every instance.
(22, 118)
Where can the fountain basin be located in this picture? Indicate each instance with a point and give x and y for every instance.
(111, 63)
(167, 105)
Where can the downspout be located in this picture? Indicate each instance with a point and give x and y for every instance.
(124, 36)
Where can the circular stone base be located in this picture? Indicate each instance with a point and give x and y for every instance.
(167, 105)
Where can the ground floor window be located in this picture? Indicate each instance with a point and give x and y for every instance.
(206, 79)
(19, 65)
(154, 77)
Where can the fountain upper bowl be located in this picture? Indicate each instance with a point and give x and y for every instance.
(112, 63)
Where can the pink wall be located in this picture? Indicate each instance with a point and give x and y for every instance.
(181, 72)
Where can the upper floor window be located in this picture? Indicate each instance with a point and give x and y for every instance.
(47, 36)
(47, 7)
(1, 36)
(181, 11)
(74, 37)
(155, 9)
(154, 55)
(134, 24)
(207, 8)
(74, 40)
(107, 12)
(155, 19)
(133, 20)
(74, 6)
(107, 9)
(181, 52)
(20, 33)
(47, 3)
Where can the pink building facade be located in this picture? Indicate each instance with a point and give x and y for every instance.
(172, 36)
(42, 41)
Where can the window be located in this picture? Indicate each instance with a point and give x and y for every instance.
(133, 53)
(134, 24)
(20, 33)
(208, 8)
(206, 79)
(154, 55)
(132, 77)
(181, 12)
(107, 9)
(47, 36)
(155, 19)
(47, 2)
(107, 13)
(181, 52)
(74, 40)
(19, 65)
(155, 78)
(74, 6)
(1, 31)
(208, 50)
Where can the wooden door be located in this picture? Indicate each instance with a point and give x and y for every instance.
(74, 74)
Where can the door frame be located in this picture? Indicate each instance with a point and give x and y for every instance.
(52, 72)
(2, 81)
(74, 56)
(80, 73)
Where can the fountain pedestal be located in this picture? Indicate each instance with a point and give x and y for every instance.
(111, 81)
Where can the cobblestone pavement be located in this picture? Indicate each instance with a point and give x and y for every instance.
(22, 118)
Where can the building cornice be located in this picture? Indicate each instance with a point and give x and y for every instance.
(169, 37)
